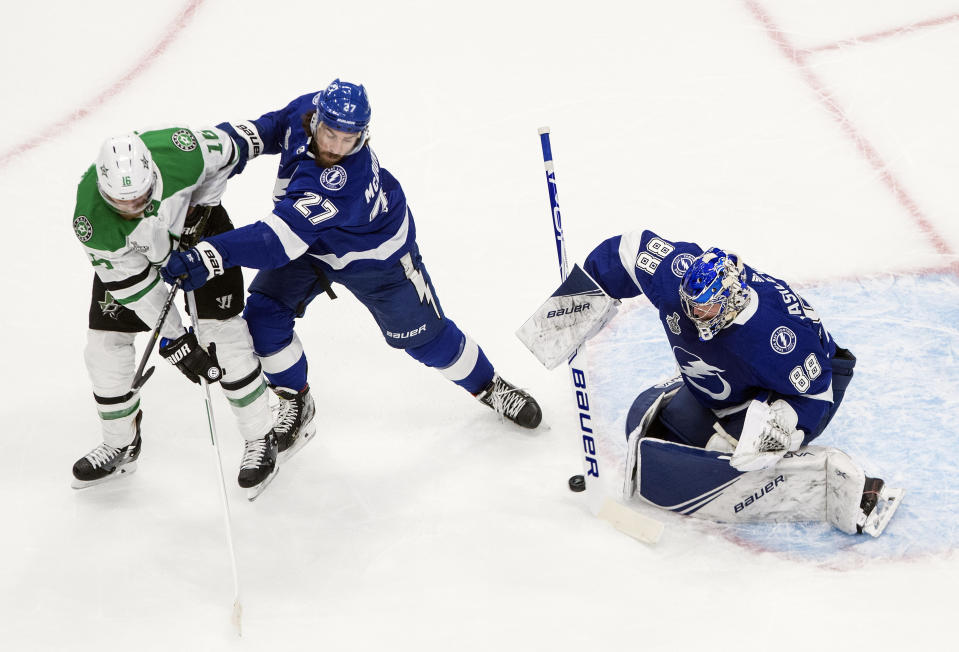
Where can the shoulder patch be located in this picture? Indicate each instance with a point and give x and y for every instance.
(333, 178)
(184, 140)
(681, 263)
(83, 228)
(783, 340)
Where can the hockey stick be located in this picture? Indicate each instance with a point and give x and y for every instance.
(140, 378)
(623, 518)
(237, 617)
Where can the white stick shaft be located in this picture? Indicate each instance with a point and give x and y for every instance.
(224, 499)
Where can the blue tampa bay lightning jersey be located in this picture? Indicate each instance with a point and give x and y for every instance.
(775, 348)
(352, 214)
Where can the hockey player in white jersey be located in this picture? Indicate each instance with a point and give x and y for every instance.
(144, 197)
(760, 378)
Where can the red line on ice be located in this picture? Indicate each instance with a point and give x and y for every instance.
(798, 57)
(173, 30)
(877, 36)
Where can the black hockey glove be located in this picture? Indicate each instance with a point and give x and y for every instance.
(195, 226)
(189, 357)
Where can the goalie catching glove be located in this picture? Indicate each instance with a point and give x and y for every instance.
(769, 432)
(186, 354)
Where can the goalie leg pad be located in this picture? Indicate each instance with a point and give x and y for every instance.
(812, 484)
(641, 421)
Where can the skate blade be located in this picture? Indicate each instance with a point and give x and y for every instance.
(889, 500)
(306, 436)
(126, 469)
(253, 492)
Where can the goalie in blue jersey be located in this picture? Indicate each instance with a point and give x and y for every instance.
(338, 218)
(759, 379)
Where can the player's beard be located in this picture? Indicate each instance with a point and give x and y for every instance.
(327, 159)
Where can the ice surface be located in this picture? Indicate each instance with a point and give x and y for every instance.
(417, 520)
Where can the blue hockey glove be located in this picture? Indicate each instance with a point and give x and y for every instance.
(195, 266)
(186, 354)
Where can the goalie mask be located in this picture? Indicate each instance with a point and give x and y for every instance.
(126, 174)
(713, 291)
(344, 107)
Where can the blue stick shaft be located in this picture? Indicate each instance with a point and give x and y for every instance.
(554, 202)
(577, 363)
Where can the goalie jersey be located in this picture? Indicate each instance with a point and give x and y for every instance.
(775, 348)
(353, 214)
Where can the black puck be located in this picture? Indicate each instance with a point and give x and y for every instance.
(577, 483)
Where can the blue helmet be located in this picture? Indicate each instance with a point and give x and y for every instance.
(713, 291)
(345, 107)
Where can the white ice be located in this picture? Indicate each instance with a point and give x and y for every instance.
(418, 521)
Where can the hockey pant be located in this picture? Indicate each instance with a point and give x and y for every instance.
(111, 358)
(399, 295)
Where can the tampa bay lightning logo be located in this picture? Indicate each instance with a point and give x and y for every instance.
(783, 340)
(681, 263)
(701, 375)
(333, 178)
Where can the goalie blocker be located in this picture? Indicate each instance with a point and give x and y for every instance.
(576, 311)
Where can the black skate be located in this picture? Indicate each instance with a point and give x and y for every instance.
(511, 402)
(878, 504)
(258, 467)
(105, 462)
(294, 425)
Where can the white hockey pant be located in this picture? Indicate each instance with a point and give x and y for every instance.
(111, 363)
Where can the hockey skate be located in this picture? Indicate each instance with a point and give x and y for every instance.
(879, 503)
(294, 425)
(511, 402)
(258, 467)
(106, 462)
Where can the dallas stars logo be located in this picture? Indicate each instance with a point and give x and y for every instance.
(104, 170)
(184, 140)
(109, 306)
(146, 162)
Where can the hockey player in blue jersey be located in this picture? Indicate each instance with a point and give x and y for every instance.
(338, 217)
(760, 378)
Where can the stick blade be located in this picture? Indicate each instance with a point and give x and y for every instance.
(237, 617)
(630, 522)
(141, 381)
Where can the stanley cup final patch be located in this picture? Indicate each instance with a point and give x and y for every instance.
(333, 178)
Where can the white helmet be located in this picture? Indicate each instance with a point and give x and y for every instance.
(126, 174)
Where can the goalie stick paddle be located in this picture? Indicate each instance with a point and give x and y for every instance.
(619, 516)
(140, 378)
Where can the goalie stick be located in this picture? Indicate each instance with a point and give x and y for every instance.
(621, 517)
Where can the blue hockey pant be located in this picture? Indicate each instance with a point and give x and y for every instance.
(399, 295)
